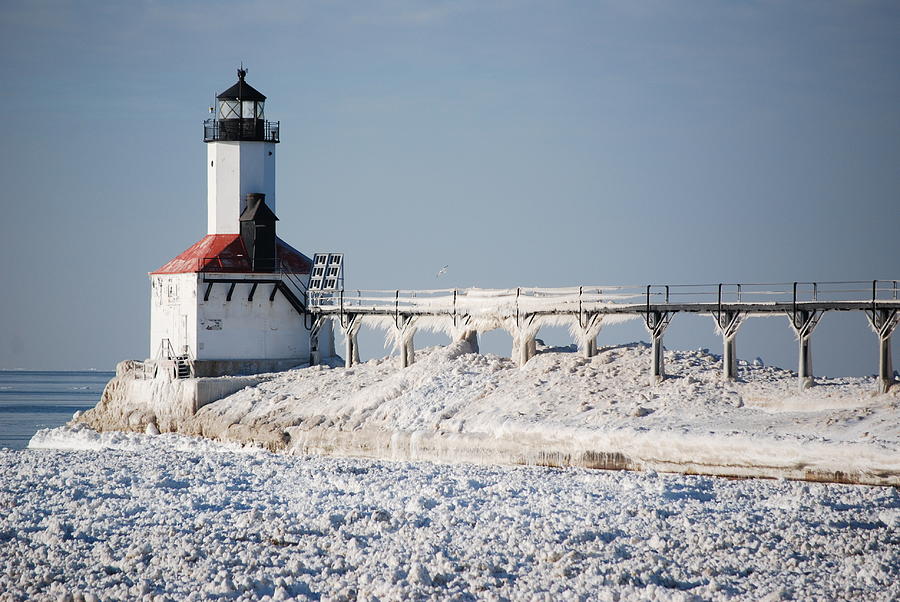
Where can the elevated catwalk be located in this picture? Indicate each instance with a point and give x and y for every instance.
(462, 313)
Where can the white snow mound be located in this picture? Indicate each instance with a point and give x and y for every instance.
(564, 409)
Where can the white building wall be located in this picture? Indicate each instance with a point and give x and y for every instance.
(235, 169)
(243, 329)
(222, 184)
(173, 313)
(257, 171)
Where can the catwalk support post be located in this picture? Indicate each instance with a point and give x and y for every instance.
(656, 323)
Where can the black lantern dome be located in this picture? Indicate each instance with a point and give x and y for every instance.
(240, 115)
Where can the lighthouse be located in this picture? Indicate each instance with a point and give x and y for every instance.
(241, 155)
(235, 302)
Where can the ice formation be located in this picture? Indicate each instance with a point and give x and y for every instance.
(560, 409)
(165, 517)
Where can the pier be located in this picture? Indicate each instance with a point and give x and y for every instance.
(463, 313)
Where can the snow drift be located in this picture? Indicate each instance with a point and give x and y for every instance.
(561, 409)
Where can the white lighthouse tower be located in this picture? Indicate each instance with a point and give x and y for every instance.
(241, 155)
(235, 301)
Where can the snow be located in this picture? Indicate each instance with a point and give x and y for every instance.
(132, 513)
(564, 409)
(166, 517)
(79, 437)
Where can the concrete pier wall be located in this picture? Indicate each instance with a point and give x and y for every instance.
(130, 401)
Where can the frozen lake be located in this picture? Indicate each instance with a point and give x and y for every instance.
(179, 518)
(31, 400)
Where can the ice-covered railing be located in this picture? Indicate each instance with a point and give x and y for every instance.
(776, 293)
(478, 301)
(475, 301)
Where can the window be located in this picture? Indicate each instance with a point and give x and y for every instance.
(228, 109)
(172, 291)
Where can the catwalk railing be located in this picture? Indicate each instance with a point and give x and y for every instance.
(522, 311)
(696, 298)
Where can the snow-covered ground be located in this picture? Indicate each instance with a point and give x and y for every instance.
(134, 516)
(562, 409)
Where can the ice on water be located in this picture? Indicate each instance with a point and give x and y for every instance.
(171, 518)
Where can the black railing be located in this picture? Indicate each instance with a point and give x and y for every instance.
(241, 263)
(292, 284)
(241, 129)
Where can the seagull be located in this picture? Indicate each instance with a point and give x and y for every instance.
(442, 271)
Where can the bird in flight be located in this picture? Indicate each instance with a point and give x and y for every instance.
(442, 271)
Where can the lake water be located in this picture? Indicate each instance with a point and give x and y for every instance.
(34, 400)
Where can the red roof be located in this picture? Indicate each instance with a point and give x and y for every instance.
(226, 253)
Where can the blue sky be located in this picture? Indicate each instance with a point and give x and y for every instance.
(522, 143)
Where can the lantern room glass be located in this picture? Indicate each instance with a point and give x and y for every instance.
(238, 109)
(229, 109)
(251, 109)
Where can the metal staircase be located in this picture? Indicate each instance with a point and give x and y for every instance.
(181, 363)
(182, 366)
(294, 290)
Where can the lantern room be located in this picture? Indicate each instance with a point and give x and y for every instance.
(240, 115)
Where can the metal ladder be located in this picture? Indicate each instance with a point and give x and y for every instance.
(182, 366)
